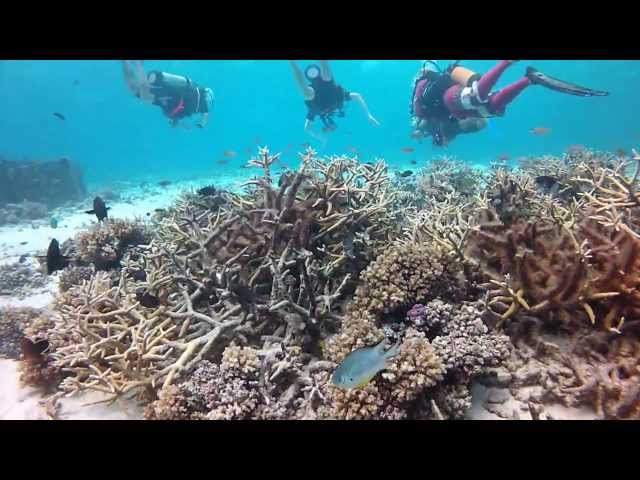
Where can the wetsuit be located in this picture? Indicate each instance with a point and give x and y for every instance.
(444, 103)
(328, 100)
(180, 102)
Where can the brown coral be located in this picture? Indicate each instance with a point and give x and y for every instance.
(415, 369)
(104, 245)
(406, 274)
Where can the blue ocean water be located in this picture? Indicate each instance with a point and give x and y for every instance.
(115, 137)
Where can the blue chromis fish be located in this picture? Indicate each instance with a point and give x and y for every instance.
(361, 365)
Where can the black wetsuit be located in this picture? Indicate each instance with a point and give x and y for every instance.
(328, 100)
(180, 102)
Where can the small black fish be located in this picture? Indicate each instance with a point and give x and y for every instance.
(545, 181)
(99, 209)
(209, 190)
(148, 214)
(32, 351)
(164, 183)
(55, 261)
(23, 243)
(139, 275)
(147, 300)
(406, 173)
(159, 210)
(413, 162)
(59, 115)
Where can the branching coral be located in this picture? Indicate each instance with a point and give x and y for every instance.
(266, 270)
(104, 245)
(445, 176)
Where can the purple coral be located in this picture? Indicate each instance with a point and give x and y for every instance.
(417, 314)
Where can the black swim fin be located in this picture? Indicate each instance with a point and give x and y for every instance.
(539, 78)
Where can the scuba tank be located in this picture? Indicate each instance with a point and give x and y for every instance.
(463, 76)
(164, 79)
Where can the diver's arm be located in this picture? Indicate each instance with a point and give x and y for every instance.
(325, 71)
(307, 92)
(358, 98)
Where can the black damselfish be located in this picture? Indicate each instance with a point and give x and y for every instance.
(99, 209)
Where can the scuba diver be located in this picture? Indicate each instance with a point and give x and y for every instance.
(324, 97)
(178, 96)
(456, 101)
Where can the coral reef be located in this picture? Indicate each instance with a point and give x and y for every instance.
(20, 279)
(46, 182)
(104, 245)
(410, 373)
(74, 275)
(445, 175)
(597, 369)
(405, 274)
(243, 303)
(13, 323)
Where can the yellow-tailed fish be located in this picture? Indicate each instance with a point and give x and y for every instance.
(361, 365)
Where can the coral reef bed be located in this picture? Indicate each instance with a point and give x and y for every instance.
(19, 279)
(240, 305)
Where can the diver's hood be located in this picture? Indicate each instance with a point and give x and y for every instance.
(312, 72)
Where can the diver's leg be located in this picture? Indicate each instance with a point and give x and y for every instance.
(499, 100)
(325, 71)
(129, 77)
(307, 92)
(489, 79)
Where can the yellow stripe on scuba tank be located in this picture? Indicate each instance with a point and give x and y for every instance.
(463, 76)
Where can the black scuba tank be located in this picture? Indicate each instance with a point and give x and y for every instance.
(169, 80)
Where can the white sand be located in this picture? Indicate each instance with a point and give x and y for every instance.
(18, 403)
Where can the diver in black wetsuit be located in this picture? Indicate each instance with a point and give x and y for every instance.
(178, 96)
(324, 97)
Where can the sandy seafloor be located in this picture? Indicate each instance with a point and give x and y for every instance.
(17, 403)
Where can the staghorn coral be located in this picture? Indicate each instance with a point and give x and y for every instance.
(406, 274)
(104, 245)
(267, 270)
(445, 175)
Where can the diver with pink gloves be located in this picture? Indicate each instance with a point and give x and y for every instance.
(457, 100)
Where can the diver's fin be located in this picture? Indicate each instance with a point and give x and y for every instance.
(539, 78)
(90, 212)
